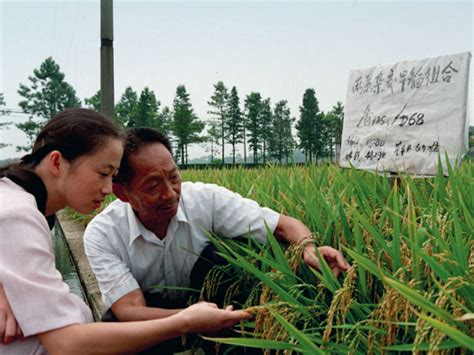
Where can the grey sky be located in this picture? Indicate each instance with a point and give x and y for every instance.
(276, 48)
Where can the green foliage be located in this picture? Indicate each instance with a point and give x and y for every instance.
(253, 107)
(164, 120)
(310, 127)
(47, 95)
(337, 122)
(332, 128)
(213, 139)
(281, 142)
(185, 125)
(410, 244)
(147, 110)
(218, 105)
(126, 110)
(93, 102)
(234, 125)
(265, 126)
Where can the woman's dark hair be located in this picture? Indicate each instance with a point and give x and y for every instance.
(135, 139)
(74, 132)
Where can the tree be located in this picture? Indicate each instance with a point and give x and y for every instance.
(265, 126)
(333, 122)
(234, 125)
(126, 110)
(93, 102)
(213, 138)
(329, 138)
(47, 95)
(147, 109)
(281, 142)
(310, 126)
(337, 124)
(253, 106)
(4, 113)
(164, 121)
(185, 125)
(219, 102)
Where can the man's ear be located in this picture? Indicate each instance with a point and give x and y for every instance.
(120, 192)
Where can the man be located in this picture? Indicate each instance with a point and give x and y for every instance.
(153, 234)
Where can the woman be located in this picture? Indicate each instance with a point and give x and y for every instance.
(72, 164)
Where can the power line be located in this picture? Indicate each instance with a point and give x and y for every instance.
(14, 110)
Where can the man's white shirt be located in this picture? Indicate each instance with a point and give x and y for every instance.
(125, 256)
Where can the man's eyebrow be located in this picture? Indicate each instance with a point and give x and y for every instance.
(149, 178)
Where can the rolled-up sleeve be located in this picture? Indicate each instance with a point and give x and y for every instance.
(39, 298)
(235, 216)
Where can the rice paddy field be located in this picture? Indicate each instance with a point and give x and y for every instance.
(410, 243)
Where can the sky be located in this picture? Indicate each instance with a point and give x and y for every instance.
(276, 48)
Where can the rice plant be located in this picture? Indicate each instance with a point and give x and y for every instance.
(411, 245)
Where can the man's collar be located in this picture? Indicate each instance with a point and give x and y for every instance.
(180, 216)
(134, 224)
(137, 228)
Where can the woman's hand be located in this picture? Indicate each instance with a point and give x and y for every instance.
(9, 328)
(206, 317)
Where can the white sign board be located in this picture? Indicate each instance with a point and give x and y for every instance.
(400, 117)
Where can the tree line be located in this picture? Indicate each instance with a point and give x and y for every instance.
(263, 131)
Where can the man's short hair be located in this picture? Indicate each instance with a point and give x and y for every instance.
(134, 140)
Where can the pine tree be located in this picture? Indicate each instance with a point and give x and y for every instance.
(186, 126)
(253, 107)
(47, 95)
(126, 110)
(338, 111)
(93, 102)
(147, 109)
(234, 125)
(328, 134)
(310, 125)
(213, 139)
(334, 121)
(281, 142)
(219, 102)
(265, 126)
(164, 120)
(288, 140)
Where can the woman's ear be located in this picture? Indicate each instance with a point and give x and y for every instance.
(120, 192)
(56, 162)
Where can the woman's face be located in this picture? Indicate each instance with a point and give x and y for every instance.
(89, 178)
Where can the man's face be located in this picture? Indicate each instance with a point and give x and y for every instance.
(155, 187)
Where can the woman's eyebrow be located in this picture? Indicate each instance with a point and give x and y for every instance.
(109, 166)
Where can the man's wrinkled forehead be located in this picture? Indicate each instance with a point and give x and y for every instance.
(152, 158)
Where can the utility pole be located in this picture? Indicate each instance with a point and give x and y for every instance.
(107, 59)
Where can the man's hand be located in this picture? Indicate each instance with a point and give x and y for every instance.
(9, 328)
(291, 230)
(333, 257)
